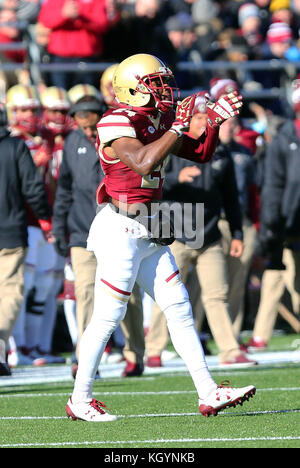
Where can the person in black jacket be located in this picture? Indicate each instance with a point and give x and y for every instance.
(279, 234)
(238, 268)
(214, 185)
(74, 210)
(20, 184)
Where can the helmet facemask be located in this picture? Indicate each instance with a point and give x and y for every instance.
(56, 120)
(25, 121)
(162, 86)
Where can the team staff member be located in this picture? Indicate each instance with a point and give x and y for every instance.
(135, 140)
(20, 183)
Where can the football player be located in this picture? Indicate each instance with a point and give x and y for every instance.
(80, 90)
(106, 86)
(135, 140)
(57, 124)
(24, 110)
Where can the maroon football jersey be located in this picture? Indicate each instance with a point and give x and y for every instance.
(121, 182)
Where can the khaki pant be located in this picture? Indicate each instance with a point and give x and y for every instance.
(210, 266)
(84, 266)
(238, 270)
(273, 286)
(11, 288)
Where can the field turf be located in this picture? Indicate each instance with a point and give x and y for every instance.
(158, 411)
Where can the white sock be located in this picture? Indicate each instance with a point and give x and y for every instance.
(188, 345)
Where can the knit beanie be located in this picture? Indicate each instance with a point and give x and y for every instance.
(247, 10)
(279, 32)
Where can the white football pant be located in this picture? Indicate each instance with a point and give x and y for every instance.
(125, 254)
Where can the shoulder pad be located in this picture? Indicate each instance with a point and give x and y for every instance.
(115, 124)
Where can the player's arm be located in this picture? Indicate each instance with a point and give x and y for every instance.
(202, 149)
(143, 159)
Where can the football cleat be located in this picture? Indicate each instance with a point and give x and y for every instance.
(92, 411)
(255, 345)
(225, 397)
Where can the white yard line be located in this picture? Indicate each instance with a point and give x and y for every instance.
(151, 415)
(62, 373)
(159, 393)
(153, 441)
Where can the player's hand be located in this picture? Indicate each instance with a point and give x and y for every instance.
(224, 108)
(236, 248)
(188, 174)
(184, 114)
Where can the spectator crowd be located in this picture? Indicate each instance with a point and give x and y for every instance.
(52, 97)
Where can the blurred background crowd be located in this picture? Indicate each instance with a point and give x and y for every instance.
(55, 54)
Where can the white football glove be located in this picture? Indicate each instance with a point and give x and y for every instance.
(224, 108)
(184, 114)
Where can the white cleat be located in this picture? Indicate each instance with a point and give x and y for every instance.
(92, 411)
(225, 397)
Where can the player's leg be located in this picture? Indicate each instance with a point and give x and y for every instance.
(159, 277)
(118, 258)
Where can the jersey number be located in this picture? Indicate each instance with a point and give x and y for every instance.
(151, 181)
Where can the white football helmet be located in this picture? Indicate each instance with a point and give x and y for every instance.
(56, 105)
(141, 77)
(55, 98)
(81, 90)
(22, 98)
(106, 85)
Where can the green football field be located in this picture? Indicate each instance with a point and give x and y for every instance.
(159, 410)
